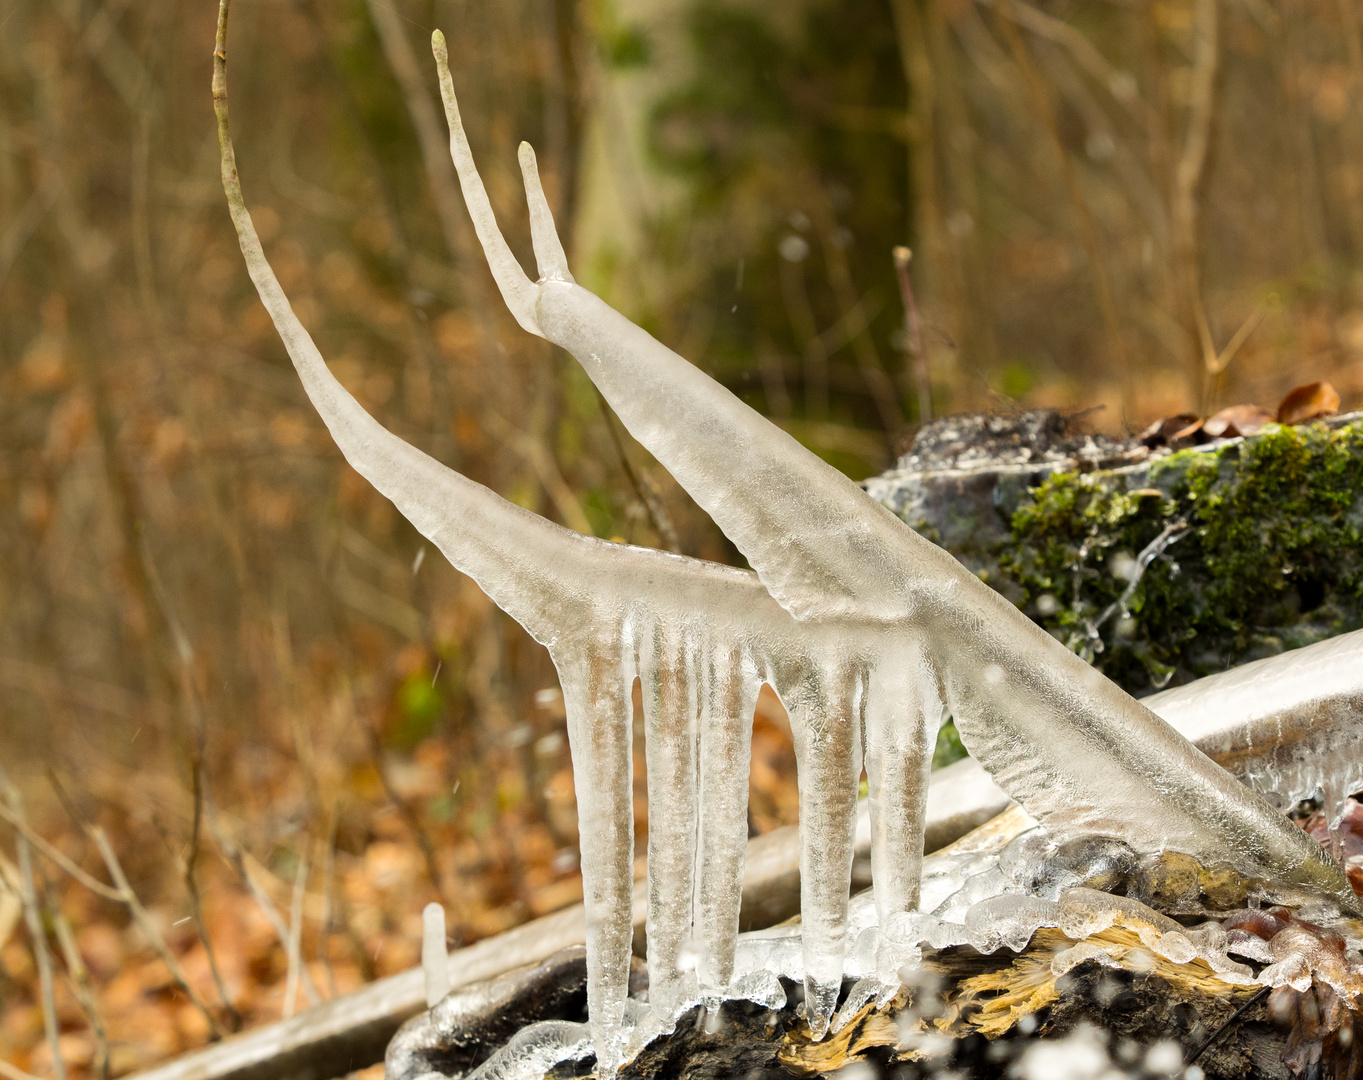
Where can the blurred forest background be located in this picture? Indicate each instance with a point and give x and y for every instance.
(240, 695)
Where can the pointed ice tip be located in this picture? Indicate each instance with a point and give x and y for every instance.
(442, 53)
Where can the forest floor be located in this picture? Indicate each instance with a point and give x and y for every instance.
(355, 917)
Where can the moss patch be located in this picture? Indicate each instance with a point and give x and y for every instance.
(1262, 551)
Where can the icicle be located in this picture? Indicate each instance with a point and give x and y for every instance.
(434, 957)
(729, 687)
(671, 709)
(825, 709)
(596, 690)
(902, 715)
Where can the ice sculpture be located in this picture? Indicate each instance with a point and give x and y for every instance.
(866, 631)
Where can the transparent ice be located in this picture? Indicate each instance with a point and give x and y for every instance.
(867, 632)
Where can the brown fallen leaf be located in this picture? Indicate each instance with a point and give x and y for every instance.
(1161, 432)
(1191, 435)
(1309, 402)
(1237, 420)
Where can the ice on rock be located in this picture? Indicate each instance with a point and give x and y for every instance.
(866, 631)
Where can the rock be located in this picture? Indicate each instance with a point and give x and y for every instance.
(1160, 565)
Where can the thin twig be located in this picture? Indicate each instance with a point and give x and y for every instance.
(1088, 229)
(13, 1072)
(33, 919)
(403, 807)
(85, 993)
(855, 325)
(329, 891)
(188, 865)
(237, 861)
(148, 927)
(643, 486)
(1188, 175)
(923, 197)
(546, 469)
(1086, 55)
(440, 176)
(913, 326)
(1207, 1043)
(300, 883)
(52, 853)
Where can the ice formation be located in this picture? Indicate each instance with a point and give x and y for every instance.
(867, 632)
(1287, 726)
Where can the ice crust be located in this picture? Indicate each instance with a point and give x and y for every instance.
(867, 632)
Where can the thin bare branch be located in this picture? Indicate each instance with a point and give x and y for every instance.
(1119, 84)
(546, 469)
(295, 957)
(913, 326)
(1088, 229)
(435, 156)
(148, 927)
(13, 1072)
(55, 855)
(236, 858)
(33, 919)
(1185, 211)
(84, 991)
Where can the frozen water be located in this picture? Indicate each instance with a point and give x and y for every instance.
(1288, 725)
(534, 1050)
(1007, 921)
(434, 955)
(866, 631)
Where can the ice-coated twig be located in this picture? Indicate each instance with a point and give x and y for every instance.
(1075, 749)
(864, 629)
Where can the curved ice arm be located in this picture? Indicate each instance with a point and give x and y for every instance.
(517, 290)
(535, 570)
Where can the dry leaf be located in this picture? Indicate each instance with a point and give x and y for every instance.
(1162, 432)
(1309, 402)
(1237, 420)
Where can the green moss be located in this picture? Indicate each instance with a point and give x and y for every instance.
(1265, 553)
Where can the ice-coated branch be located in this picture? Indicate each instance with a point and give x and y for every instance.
(866, 631)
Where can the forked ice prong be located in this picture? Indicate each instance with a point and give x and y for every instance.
(1077, 751)
(549, 256)
(517, 290)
